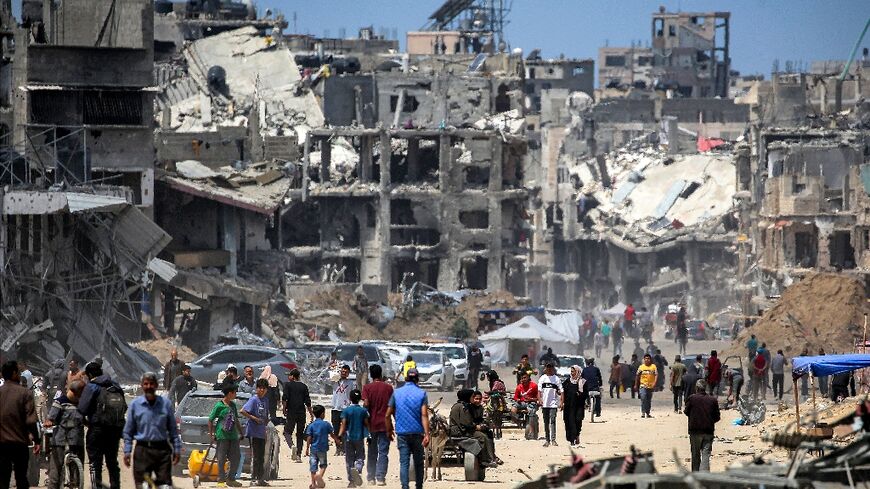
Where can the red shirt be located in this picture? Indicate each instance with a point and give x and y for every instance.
(629, 313)
(378, 395)
(714, 370)
(526, 394)
(759, 364)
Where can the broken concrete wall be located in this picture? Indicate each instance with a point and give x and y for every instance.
(454, 100)
(348, 99)
(119, 24)
(211, 148)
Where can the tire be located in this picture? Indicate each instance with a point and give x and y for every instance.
(76, 473)
(473, 470)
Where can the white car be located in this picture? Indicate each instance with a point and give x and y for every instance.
(394, 358)
(435, 369)
(457, 354)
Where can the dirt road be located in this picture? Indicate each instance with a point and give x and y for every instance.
(619, 427)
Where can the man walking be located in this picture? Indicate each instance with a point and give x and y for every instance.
(17, 427)
(360, 368)
(759, 365)
(182, 384)
(703, 412)
(151, 424)
(618, 334)
(593, 382)
(752, 347)
(475, 363)
(777, 369)
(549, 393)
(104, 407)
(410, 406)
(714, 373)
(677, 372)
(646, 383)
(297, 401)
(340, 400)
(376, 398)
(172, 369)
(682, 330)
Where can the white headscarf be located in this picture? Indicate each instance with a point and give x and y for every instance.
(572, 378)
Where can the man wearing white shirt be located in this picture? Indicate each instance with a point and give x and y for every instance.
(549, 393)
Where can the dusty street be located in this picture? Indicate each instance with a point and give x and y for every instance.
(619, 427)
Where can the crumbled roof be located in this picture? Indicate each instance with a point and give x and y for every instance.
(258, 190)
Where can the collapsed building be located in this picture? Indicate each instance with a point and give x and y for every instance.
(78, 173)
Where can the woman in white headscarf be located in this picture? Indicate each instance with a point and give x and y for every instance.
(274, 391)
(572, 403)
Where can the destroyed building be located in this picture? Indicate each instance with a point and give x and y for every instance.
(688, 54)
(78, 176)
(447, 211)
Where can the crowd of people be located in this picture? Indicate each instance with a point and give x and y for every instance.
(88, 415)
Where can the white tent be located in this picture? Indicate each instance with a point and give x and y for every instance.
(616, 311)
(566, 323)
(508, 343)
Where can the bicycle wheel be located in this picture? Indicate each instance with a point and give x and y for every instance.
(73, 472)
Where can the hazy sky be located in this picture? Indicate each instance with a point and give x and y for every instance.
(761, 30)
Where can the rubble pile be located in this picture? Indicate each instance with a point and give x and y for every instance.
(162, 349)
(823, 310)
(341, 314)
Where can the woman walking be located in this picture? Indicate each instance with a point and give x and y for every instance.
(572, 403)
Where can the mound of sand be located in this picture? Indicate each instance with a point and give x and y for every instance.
(824, 310)
(161, 350)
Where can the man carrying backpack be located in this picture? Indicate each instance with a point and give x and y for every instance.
(104, 408)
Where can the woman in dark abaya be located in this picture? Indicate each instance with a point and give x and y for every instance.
(572, 403)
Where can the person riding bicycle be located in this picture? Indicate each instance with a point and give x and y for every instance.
(524, 367)
(68, 435)
(592, 375)
(525, 396)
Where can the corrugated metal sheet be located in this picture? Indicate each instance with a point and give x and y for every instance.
(623, 192)
(670, 197)
(80, 202)
(136, 232)
(163, 269)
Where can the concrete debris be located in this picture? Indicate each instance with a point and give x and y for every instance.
(510, 122)
(195, 170)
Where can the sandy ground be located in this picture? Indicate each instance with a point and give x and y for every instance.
(619, 427)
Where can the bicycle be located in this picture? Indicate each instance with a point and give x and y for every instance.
(72, 470)
(593, 396)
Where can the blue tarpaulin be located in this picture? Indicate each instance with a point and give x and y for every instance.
(825, 365)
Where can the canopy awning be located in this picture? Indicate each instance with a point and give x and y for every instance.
(825, 365)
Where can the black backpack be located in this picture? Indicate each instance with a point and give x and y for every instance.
(111, 407)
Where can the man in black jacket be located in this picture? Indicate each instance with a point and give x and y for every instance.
(592, 375)
(703, 413)
(103, 406)
(297, 401)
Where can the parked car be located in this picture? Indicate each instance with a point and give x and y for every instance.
(192, 418)
(345, 353)
(565, 363)
(207, 367)
(394, 358)
(458, 356)
(435, 369)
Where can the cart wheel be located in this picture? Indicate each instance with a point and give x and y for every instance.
(473, 469)
(196, 481)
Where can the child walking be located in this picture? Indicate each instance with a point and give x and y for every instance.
(355, 425)
(317, 445)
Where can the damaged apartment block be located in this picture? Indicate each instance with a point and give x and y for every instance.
(812, 187)
(77, 170)
(393, 207)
